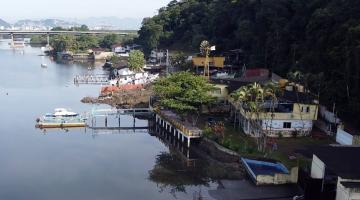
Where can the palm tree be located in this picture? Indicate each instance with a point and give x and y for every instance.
(252, 99)
(205, 49)
(271, 91)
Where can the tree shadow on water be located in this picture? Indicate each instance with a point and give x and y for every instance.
(171, 172)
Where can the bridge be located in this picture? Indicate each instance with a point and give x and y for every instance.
(23, 32)
(12, 33)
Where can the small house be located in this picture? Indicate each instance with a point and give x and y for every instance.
(119, 49)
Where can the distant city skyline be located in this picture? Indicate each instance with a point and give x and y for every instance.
(12, 11)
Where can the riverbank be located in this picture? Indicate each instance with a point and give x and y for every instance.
(225, 165)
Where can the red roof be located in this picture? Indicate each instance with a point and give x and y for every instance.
(259, 72)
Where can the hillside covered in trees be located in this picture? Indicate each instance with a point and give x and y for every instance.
(318, 37)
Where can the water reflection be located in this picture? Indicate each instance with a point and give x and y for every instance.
(178, 168)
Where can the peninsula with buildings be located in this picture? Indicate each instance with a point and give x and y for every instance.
(260, 90)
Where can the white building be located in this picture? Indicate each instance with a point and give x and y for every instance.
(119, 49)
(293, 114)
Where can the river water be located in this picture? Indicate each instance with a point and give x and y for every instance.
(78, 163)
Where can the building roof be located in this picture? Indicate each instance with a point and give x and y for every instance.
(297, 97)
(350, 184)
(98, 49)
(341, 160)
(116, 45)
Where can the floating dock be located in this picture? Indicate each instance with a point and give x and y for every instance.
(61, 122)
(43, 125)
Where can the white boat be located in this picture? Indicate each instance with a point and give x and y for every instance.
(43, 65)
(62, 112)
(126, 76)
(61, 118)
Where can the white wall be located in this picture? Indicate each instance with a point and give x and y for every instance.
(328, 116)
(317, 168)
(295, 124)
(343, 137)
(119, 50)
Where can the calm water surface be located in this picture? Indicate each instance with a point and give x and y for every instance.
(77, 164)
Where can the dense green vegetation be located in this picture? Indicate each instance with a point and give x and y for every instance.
(83, 42)
(313, 36)
(80, 28)
(38, 39)
(136, 61)
(184, 93)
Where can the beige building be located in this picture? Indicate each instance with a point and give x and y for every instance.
(293, 114)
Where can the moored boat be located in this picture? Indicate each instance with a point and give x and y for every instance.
(61, 118)
(126, 76)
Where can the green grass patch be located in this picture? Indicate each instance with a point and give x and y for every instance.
(246, 146)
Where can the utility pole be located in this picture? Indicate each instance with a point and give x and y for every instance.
(206, 64)
(167, 62)
(48, 40)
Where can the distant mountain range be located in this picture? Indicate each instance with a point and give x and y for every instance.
(4, 24)
(115, 22)
(91, 22)
(45, 23)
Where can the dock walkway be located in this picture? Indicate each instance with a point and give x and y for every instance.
(100, 79)
(106, 115)
(173, 124)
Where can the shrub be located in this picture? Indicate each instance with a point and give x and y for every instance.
(226, 142)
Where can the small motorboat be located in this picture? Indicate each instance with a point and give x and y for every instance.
(62, 112)
(61, 118)
(44, 65)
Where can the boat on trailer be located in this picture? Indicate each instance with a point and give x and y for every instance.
(61, 118)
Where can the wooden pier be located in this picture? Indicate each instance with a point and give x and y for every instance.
(179, 129)
(95, 79)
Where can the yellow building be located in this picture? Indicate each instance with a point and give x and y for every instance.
(213, 61)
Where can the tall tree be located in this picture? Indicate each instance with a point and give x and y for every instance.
(136, 61)
(184, 93)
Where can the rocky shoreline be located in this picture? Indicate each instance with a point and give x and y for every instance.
(136, 98)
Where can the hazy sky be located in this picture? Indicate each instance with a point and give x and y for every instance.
(12, 10)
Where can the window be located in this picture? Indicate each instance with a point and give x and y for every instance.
(305, 109)
(287, 125)
(217, 91)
